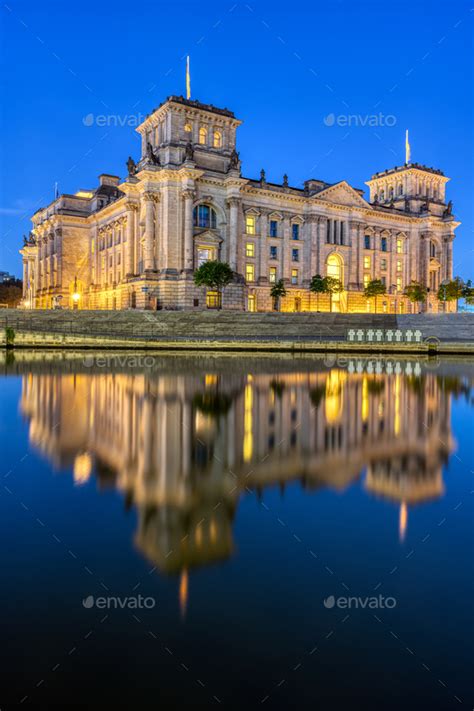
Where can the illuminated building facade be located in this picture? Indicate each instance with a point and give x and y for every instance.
(135, 243)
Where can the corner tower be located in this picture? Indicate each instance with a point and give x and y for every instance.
(181, 129)
(411, 188)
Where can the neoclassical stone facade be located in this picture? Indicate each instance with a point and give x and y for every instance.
(135, 243)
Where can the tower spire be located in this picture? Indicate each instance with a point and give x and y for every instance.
(188, 79)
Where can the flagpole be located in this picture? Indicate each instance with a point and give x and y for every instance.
(188, 79)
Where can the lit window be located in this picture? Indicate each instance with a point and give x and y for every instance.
(399, 283)
(217, 139)
(383, 244)
(213, 300)
(295, 255)
(250, 249)
(251, 302)
(295, 231)
(250, 224)
(383, 264)
(272, 275)
(204, 216)
(399, 265)
(367, 241)
(366, 279)
(203, 135)
(188, 128)
(250, 272)
(273, 252)
(366, 262)
(294, 276)
(273, 229)
(205, 255)
(399, 246)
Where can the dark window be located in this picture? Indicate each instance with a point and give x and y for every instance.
(328, 231)
(273, 231)
(196, 302)
(367, 241)
(342, 233)
(273, 252)
(383, 244)
(295, 231)
(295, 255)
(204, 216)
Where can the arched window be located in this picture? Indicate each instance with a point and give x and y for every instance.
(432, 250)
(391, 193)
(204, 216)
(400, 189)
(382, 195)
(217, 139)
(335, 267)
(203, 135)
(188, 127)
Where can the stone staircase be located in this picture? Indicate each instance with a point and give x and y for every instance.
(228, 325)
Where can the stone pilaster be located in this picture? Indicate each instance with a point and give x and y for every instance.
(234, 204)
(263, 249)
(286, 249)
(130, 243)
(148, 258)
(59, 257)
(188, 197)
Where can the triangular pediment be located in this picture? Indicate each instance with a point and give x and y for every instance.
(208, 237)
(342, 194)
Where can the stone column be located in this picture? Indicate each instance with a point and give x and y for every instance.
(448, 259)
(59, 257)
(305, 229)
(321, 229)
(286, 250)
(130, 247)
(263, 248)
(354, 254)
(188, 197)
(234, 204)
(148, 260)
(312, 237)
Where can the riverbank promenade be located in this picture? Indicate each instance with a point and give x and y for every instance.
(221, 330)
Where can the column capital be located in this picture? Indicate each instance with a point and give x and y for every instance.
(149, 196)
(234, 201)
(188, 194)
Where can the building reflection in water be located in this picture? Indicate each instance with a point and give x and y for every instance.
(184, 448)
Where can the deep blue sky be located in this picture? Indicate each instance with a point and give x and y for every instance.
(281, 67)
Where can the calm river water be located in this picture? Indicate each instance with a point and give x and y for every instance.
(185, 532)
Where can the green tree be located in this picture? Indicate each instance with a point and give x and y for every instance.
(468, 292)
(277, 291)
(318, 286)
(215, 275)
(416, 293)
(374, 288)
(333, 286)
(451, 290)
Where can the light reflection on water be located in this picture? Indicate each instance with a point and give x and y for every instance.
(184, 448)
